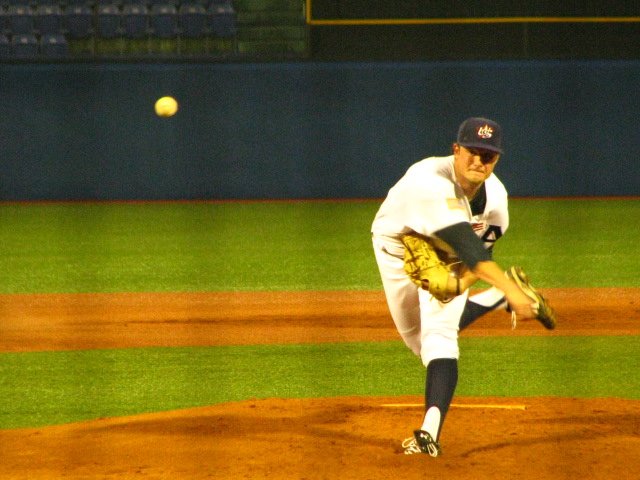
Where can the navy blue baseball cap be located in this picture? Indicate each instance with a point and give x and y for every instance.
(478, 132)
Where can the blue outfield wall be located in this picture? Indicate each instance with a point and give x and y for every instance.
(309, 130)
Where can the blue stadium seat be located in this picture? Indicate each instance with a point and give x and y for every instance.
(192, 20)
(78, 21)
(152, 3)
(108, 20)
(5, 46)
(48, 19)
(83, 3)
(164, 20)
(24, 46)
(24, 3)
(135, 20)
(37, 3)
(20, 19)
(54, 45)
(222, 18)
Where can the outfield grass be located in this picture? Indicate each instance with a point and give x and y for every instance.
(284, 246)
(125, 247)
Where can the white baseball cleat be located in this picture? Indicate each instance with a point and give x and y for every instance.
(421, 442)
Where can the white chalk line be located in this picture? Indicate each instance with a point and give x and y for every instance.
(460, 405)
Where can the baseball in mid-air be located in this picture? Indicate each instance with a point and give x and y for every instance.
(166, 106)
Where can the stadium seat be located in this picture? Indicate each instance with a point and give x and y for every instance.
(222, 19)
(124, 3)
(192, 20)
(20, 19)
(24, 46)
(54, 45)
(174, 3)
(5, 47)
(135, 20)
(164, 20)
(109, 40)
(48, 19)
(108, 20)
(78, 21)
(24, 3)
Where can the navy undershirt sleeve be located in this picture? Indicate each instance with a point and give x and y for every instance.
(469, 248)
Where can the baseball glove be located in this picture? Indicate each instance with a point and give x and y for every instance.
(427, 269)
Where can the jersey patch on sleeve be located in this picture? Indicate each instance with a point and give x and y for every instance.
(455, 204)
(478, 226)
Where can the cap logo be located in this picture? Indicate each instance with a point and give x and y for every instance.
(485, 131)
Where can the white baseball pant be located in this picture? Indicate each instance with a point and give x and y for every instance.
(428, 327)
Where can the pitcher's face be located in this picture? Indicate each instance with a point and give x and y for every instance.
(473, 165)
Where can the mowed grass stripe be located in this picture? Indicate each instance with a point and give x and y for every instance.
(58, 387)
(306, 245)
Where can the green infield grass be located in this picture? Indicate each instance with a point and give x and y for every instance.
(42, 388)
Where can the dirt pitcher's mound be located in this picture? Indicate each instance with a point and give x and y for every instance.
(340, 438)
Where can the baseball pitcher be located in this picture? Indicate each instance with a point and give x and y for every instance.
(433, 238)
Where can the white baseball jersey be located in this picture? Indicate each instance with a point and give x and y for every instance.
(427, 199)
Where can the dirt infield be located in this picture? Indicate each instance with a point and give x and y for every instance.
(126, 320)
(345, 438)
